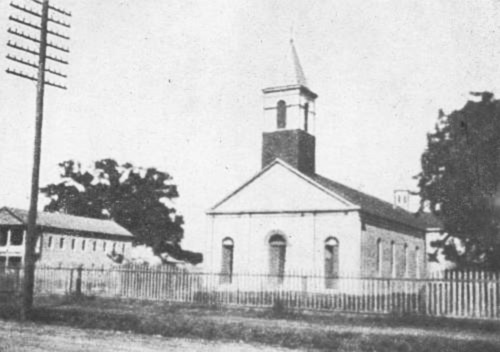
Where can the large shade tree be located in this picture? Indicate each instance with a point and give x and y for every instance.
(460, 180)
(139, 199)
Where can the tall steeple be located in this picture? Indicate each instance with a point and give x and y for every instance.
(300, 77)
(289, 117)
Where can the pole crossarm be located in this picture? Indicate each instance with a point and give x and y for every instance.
(28, 37)
(34, 26)
(34, 52)
(56, 9)
(31, 78)
(43, 43)
(34, 65)
(26, 10)
(34, 13)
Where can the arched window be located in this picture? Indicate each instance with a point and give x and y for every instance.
(306, 117)
(227, 260)
(277, 246)
(331, 262)
(380, 257)
(281, 114)
(393, 259)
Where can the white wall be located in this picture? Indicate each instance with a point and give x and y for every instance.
(305, 234)
(54, 255)
(295, 102)
(272, 192)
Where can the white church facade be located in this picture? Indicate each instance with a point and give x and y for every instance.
(289, 219)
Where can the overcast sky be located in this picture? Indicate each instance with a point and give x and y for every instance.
(177, 85)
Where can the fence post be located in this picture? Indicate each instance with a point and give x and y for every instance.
(79, 280)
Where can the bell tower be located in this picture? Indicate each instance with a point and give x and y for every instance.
(289, 118)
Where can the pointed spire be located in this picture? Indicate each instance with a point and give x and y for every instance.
(300, 77)
(287, 72)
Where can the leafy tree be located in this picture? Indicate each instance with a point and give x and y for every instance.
(138, 199)
(460, 179)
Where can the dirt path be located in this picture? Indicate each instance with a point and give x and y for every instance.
(16, 337)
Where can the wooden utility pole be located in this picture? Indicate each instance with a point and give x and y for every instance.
(43, 43)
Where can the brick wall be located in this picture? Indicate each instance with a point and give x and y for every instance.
(415, 253)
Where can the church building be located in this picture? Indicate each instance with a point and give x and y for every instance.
(289, 219)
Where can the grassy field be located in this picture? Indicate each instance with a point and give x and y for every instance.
(17, 337)
(332, 332)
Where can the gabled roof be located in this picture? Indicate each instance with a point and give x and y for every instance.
(354, 199)
(346, 203)
(371, 204)
(64, 222)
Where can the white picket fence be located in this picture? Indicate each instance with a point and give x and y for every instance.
(471, 294)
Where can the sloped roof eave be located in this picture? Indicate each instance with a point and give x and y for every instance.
(291, 169)
(71, 223)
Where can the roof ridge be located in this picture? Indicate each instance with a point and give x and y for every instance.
(71, 221)
(11, 211)
(372, 204)
(365, 194)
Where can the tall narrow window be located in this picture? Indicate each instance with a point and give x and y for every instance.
(83, 245)
(61, 243)
(380, 254)
(331, 263)
(94, 246)
(73, 244)
(393, 259)
(104, 246)
(281, 114)
(227, 261)
(277, 246)
(417, 262)
(405, 261)
(4, 233)
(49, 243)
(123, 248)
(306, 117)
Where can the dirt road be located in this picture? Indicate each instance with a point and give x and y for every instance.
(16, 337)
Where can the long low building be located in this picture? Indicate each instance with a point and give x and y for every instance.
(64, 240)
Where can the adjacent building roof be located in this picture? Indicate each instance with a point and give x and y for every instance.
(13, 216)
(376, 206)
